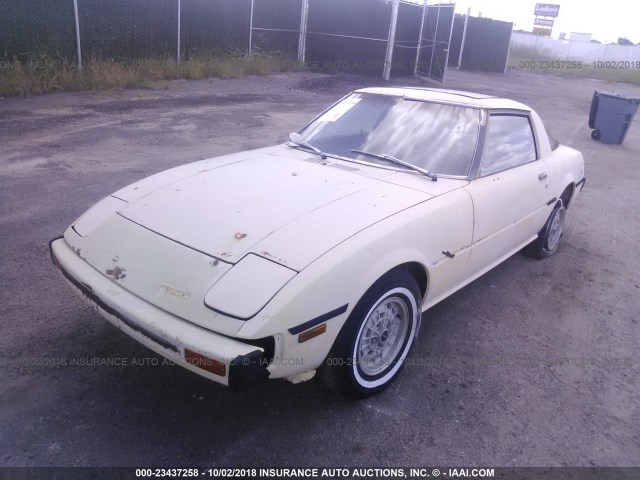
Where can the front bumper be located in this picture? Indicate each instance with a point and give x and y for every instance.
(219, 358)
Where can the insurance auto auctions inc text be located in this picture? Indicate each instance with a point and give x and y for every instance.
(375, 472)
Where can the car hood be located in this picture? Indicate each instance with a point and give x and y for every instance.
(282, 204)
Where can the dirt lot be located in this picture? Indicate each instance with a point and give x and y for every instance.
(497, 395)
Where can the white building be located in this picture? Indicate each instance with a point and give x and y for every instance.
(580, 37)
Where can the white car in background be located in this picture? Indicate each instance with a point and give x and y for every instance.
(324, 252)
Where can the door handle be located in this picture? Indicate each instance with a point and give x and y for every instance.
(542, 176)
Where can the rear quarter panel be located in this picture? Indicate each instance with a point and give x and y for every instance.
(566, 165)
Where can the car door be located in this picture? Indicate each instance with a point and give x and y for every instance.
(510, 192)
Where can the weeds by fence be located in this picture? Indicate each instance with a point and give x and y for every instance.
(44, 44)
(128, 43)
(43, 74)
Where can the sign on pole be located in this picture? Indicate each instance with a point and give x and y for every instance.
(544, 22)
(543, 32)
(547, 10)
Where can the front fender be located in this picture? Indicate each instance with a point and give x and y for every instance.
(420, 234)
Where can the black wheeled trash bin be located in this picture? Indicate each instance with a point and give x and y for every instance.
(610, 116)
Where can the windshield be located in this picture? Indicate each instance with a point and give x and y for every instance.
(436, 137)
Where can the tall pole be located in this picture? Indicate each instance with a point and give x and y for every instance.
(302, 41)
(77, 20)
(446, 58)
(179, 35)
(391, 40)
(251, 28)
(464, 37)
(424, 14)
(506, 63)
(435, 41)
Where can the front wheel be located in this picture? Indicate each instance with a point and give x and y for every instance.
(549, 237)
(372, 346)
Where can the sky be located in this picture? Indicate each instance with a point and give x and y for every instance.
(606, 20)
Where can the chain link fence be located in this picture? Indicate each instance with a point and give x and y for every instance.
(361, 36)
(341, 37)
(123, 29)
(405, 47)
(215, 26)
(37, 30)
(276, 25)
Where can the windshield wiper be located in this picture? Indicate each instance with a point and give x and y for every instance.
(296, 140)
(389, 158)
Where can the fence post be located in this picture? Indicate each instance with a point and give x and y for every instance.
(435, 41)
(77, 22)
(446, 57)
(251, 28)
(424, 14)
(302, 41)
(179, 22)
(391, 40)
(464, 37)
(506, 64)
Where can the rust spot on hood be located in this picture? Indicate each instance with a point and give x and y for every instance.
(116, 273)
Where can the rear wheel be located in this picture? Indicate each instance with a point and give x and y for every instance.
(595, 134)
(549, 237)
(370, 350)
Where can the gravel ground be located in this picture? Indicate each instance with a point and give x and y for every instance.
(497, 397)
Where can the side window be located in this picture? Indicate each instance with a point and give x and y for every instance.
(509, 143)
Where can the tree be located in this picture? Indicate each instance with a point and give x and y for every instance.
(624, 41)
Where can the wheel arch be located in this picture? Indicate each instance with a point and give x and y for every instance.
(416, 269)
(345, 377)
(419, 272)
(567, 195)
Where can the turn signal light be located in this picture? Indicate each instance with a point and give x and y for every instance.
(314, 332)
(205, 363)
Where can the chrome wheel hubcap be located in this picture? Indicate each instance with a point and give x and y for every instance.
(383, 336)
(555, 230)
